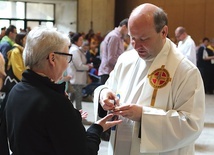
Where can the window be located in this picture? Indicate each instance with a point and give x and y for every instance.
(18, 23)
(4, 23)
(40, 11)
(12, 10)
(24, 14)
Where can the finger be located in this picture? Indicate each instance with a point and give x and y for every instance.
(84, 113)
(108, 117)
(107, 105)
(122, 113)
(122, 108)
(84, 116)
(113, 123)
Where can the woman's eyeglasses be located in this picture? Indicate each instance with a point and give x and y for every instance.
(69, 56)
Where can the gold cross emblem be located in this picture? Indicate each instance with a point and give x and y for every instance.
(158, 79)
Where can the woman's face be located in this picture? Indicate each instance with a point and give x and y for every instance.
(79, 41)
(24, 41)
(61, 65)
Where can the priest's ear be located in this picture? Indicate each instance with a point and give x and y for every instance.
(164, 31)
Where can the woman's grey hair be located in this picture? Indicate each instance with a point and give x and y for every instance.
(160, 19)
(40, 42)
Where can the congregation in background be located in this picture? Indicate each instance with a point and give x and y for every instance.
(202, 56)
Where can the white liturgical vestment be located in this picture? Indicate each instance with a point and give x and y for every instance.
(171, 91)
(188, 48)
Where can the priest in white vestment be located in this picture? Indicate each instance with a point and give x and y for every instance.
(155, 90)
(186, 44)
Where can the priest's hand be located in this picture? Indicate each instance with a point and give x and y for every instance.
(130, 111)
(107, 122)
(108, 99)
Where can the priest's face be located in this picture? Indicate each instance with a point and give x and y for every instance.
(144, 38)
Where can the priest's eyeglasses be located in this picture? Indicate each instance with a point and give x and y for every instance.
(69, 56)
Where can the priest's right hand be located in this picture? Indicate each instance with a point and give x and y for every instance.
(108, 99)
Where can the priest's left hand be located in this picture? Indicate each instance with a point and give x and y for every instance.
(130, 111)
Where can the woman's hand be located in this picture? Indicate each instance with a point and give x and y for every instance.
(84, 114)
(106, 122)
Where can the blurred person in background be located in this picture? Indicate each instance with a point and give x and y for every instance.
(15, 66)
(3, 30)
(2, 71)
(8, 41)
(2, 76)
(186, 44)
(205, 64)
(78, 70)
(15, 59)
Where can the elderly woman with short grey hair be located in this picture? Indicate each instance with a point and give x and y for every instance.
(39, 117)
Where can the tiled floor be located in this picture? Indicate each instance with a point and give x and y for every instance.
(204, 144)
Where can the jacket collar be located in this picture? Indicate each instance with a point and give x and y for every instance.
(30, 76)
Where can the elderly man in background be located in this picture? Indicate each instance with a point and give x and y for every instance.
(186, 44)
